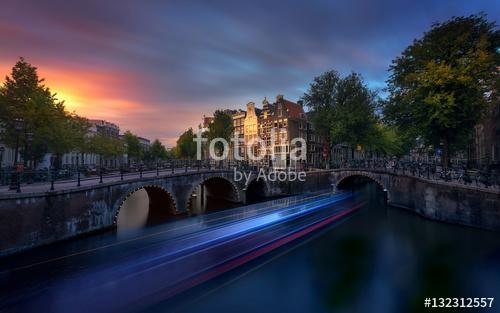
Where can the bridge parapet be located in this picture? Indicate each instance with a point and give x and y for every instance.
(448, 201)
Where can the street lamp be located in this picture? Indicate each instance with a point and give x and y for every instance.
(29, 140)
(14, 183)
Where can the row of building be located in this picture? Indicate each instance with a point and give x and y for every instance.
(7, 154)
(288, 120)
(275, 125)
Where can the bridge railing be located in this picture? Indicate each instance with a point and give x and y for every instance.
(459, 174)
(75, 176)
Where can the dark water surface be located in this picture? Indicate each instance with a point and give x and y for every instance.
(379, 260)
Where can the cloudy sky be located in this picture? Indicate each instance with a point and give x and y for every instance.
(155, 67)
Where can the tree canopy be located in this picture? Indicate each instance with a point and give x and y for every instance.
(157, 151)
(353, 117)
(46, 126)
(186, 146)
(439, 86)
(133, 146)
(343, 112)
(105, 146)
(321, 100)
(221, 127)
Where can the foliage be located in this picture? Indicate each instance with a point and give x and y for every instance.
(221, 127)
(46, 125)
(343, 110)
(186, 146)
(440, 84)
(157, 151)
(353, 118)
(387, 141)
(133, 146)
(106, 146)
(321, 99)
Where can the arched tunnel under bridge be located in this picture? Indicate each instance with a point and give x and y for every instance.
(256, 191)
(148, 205)
(213, 194)
(368, 187)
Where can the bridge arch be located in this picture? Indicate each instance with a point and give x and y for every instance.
(256, 190)
(161, 206)
(212, 192)
(380, 182)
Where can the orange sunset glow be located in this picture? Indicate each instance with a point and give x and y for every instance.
(98, 94)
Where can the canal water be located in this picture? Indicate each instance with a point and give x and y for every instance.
(381, 259)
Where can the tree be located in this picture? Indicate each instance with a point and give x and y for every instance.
(24, 97)
(221, 127)
(133, 146)
(353, 119)
(157, 151)
(105, 146)
(66, 132)
(321, 100)
(386, 140)
(342, 109)
(186, 146)
(46, 125)
(439, 86)
(80, 129)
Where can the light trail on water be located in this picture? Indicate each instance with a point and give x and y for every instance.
(164, 267)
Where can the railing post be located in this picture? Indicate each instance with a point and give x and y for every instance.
(78, 174)
(157, 169)
(100, 175)
(173, 167)
(18, 187)
(52, 179)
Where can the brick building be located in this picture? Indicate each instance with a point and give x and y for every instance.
(285, 121)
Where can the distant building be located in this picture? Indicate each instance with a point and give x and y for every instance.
(145, 144)
(286, 120)
(104, 127)
(238, 117)
(315, 143)
(91, 159)
(251, 132)
(283, 118)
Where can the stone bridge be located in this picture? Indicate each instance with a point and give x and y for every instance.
(37, 218)
(438, 200)
(33, 219)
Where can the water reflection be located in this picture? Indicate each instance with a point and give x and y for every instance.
(134, 212)
(380, 260)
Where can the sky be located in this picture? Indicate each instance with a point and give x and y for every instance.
(156, 67)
